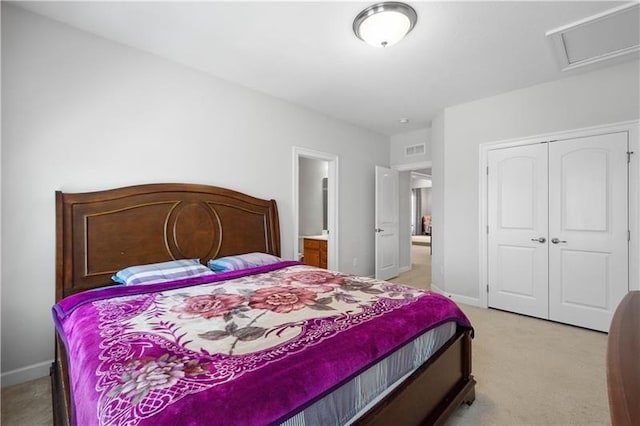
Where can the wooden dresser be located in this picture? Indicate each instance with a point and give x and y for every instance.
(315, 252)
(623, 371)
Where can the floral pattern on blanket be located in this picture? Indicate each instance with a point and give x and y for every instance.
(157, 348)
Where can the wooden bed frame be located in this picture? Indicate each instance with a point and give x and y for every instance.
(99, 233)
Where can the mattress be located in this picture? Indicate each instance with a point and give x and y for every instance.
(353, 399)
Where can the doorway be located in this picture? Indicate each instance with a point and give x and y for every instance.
(421, 207)
(315, 202)
(415, 259)
(421, 225)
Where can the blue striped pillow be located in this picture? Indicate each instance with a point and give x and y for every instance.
(161, 272)
(242, 261)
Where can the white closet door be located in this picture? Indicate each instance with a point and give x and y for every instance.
(517, 211)
(588, 250)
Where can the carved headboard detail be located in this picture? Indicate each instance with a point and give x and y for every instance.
(99, 233)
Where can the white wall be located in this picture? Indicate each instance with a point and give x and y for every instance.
(605, 96)
(438, 220)
(80, 113)
(420, 182)
(310, 207)
(404, 221)
(425, 208)
(402, 140)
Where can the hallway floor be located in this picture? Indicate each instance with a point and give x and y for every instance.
(420, 274)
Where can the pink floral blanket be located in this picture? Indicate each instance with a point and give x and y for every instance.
(244, 348)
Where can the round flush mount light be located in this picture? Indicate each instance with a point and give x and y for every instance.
(384, 24)
(404, 120)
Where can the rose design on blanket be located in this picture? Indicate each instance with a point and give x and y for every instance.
(396, 290)
(143, 375)
(209, 305)
(315, 280)
(282, 299)
(255, 312)
(346, 297)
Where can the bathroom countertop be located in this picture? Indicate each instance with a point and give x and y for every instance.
(316, 237)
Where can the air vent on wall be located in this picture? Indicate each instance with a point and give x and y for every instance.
(614, 33)
(413, 150)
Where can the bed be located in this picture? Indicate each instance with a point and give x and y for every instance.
(303, 365)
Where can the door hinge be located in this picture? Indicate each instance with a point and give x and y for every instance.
(487, 288)
(629, 156)
(628, 235)
(487, 229)
(487, 170)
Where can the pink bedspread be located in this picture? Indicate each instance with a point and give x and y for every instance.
(248, 348)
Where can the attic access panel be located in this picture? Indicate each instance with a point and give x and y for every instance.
(612, 34)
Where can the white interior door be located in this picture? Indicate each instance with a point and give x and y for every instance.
(558, 229)
(386, 223)
(517, 212)
(588, 250)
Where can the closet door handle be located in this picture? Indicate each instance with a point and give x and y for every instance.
(540, 240)
(557, 241)
(379, 230)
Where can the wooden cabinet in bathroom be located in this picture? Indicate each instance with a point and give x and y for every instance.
(315, 252)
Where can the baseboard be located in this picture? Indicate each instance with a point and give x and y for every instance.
(465, 300)
(404, 269)
(25, 374)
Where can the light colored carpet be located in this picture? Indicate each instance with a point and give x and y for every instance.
(535, 372)
(420, 273)
(529, 371)
(27, 404)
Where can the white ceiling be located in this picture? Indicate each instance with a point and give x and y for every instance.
(306, 52)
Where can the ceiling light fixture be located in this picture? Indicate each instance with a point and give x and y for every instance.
(384, 24)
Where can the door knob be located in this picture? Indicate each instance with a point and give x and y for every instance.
(540, 240)
(557, 240)
(379, 230)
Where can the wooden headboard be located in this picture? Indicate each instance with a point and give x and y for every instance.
(99, 233)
